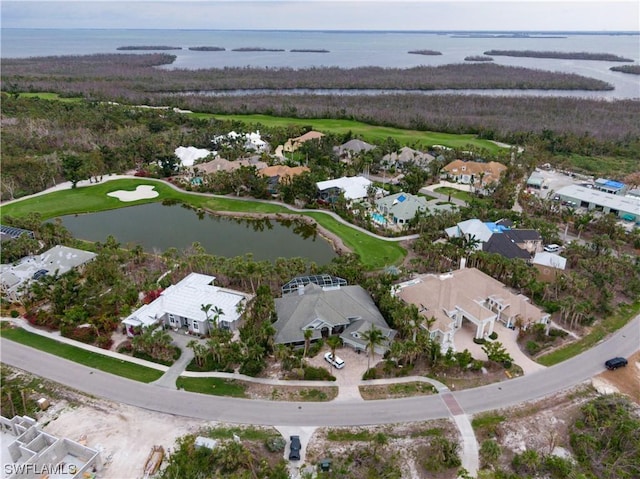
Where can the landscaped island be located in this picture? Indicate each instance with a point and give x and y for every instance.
(632, 69)
(207, 49)
(308, 50)
(606, 57)
(478, 58)
(257, 49)
(148, 47)
(425, 52)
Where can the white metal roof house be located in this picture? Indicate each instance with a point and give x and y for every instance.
(353, 187)
(180, 307)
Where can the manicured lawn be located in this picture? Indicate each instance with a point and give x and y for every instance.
(459, 194)
(78, 355)
(599, 332)
(373, 252)
(214, 386)
(51, 96)
(369, 133)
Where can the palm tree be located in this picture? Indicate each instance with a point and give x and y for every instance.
(217, 312)
(373, 338)
(334, 342)
(307, 341)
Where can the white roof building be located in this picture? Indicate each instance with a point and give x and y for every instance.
(353, 187)
(551, 260)
(59, 259)
(181, 305)
(472, 228)
(592, 199)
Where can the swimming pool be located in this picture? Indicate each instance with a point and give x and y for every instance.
(378, 218)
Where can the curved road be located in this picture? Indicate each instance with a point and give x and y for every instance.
(246, 411)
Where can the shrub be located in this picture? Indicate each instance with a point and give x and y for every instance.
(370, 374)
(104, 342)
(533, 347)
(275, 443)
(476, 365)
(84, 335)
(125, 347)
(479, 340)
(489, 452)
(493, 336)
(252, 367)
(317, 374)
(557, 333)
(14, 313)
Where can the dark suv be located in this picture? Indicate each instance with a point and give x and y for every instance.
(615, 363)
(294, 453)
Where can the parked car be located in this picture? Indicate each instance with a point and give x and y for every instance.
(335, 362)
(294, 452)
(615, 363)
(552, 248)
(40, 273)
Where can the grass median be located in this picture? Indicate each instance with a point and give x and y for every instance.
(213, 386)
(107, 364)
(597, 334)
(374, 253)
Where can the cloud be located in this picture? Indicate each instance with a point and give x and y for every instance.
(544, 15)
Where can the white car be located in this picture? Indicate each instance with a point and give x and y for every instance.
(552, 248)
(335, 362)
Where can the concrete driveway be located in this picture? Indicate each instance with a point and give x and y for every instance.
(347, 378)
(463, 339)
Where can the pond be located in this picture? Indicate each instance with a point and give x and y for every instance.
(157, 227)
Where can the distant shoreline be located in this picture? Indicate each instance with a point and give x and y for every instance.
(147, 47)
(608, 57)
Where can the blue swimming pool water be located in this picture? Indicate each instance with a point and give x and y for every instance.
(378, 218)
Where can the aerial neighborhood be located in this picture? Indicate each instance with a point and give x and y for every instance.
(202, 280)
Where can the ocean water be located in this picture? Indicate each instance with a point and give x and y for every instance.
(345, 49)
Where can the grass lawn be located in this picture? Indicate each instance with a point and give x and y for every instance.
(455, 193)
(214, 386)
(597, 334)
(369, 133)
(82, 356)
(51, 96)
(374, 253)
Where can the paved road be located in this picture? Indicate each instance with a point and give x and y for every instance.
(246, 411)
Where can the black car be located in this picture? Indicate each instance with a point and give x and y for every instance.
(294, 453)
(40, 273)
(615, 363)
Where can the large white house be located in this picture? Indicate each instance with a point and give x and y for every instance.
(193, 305)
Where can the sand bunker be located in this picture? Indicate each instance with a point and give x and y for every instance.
(142, 192)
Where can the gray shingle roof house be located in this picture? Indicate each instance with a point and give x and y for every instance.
(352, 147)
(407, 155)
(402, 207)
(345, 310)
(57, 260)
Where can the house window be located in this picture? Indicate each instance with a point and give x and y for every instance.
(195, 326)
(172, 319)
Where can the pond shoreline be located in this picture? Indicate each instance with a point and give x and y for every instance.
(334, 240)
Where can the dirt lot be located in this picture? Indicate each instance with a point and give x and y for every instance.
(624, 380)
(123, 433)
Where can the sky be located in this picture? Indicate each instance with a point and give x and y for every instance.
(470, 15)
